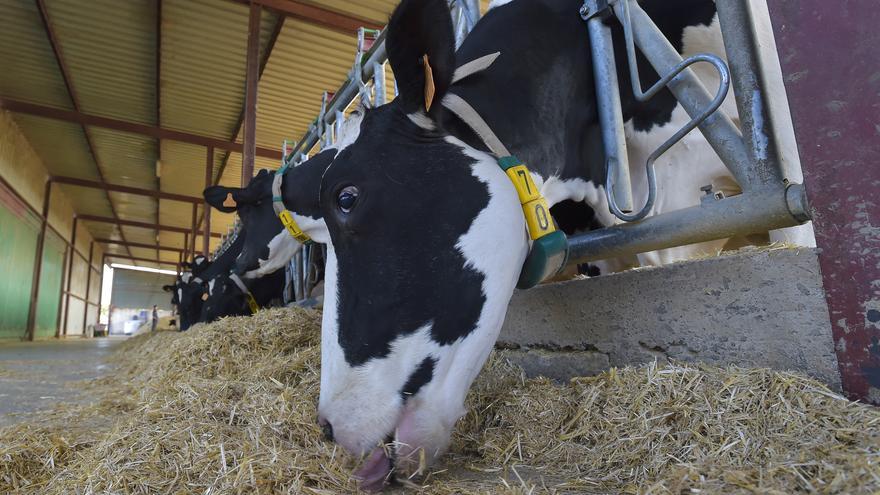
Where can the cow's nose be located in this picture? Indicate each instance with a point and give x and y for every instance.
(327, 428)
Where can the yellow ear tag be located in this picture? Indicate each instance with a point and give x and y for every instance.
(205, 296)
(429, 83)
(229, 202)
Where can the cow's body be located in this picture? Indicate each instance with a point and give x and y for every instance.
(194, 286)
(225, 298)
(539, 98)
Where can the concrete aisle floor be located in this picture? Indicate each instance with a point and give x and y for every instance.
(35, 376)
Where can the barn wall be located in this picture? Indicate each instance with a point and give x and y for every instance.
(25, 174)
(140, 290)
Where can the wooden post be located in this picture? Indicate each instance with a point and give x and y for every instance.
(89, 287)
(250, 108)
(69, 275)
(209, 177)
(38, 264)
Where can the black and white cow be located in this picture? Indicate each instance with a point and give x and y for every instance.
(193, 289)
(268, 246)
(427, 235)
(226, 298)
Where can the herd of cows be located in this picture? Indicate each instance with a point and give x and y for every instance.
(425, 233)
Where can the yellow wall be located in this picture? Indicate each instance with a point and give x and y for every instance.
(22, 169)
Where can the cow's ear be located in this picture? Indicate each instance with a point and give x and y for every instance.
(224, 199)
(421, 49)
(168, 288)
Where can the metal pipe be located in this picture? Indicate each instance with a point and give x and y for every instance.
(252, 76)
(69, 276)
(88, 285)
(718, 128)
(610, 111)
(344, 96)
(748, 213)
(38, 263)
(209, 179)
(297, 276)
(379, 96)
(740, 43)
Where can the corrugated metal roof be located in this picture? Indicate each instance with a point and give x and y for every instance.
(110, 51)
(60, 145)
(29, 69)
(204, 45)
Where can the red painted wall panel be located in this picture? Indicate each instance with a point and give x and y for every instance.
(830, 56)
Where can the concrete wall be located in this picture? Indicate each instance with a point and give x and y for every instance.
(24, 171)
(761, 308)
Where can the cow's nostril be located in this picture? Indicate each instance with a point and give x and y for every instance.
(327, 428)
(328, 431)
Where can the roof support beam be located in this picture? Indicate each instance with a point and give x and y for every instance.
(145, 260)
(250, 94)
(269, 47)
(142, 225)
(38, 263)
(73, 181)
(209, 174)
(158, 112)
(125, 126)
(312, 14)
(138, 245)
(70, 277)
(89, 286)
(71, 92)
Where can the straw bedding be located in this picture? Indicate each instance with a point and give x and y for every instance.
(230, 408)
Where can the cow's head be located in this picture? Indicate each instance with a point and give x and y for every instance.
(224, 299)
(268, 245)
(190, 291)
(427, 241)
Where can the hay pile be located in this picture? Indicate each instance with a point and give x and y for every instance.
(230, 408)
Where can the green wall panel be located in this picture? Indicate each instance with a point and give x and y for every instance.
(48, 301)
(18, 236)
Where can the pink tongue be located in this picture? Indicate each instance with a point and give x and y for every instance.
(374, 472)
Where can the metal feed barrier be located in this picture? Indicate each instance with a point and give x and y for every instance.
(768, 201)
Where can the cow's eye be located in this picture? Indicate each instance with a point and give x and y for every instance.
(347, 198)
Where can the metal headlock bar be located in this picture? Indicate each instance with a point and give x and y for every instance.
(768, 202)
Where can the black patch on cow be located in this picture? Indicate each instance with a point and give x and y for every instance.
(421, 376)
(420, 27)
(672, 17)
(398, 265)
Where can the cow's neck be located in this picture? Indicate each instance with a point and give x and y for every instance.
(538, 95)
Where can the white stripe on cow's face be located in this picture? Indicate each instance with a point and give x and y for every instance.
(211, 286)
(363, 403)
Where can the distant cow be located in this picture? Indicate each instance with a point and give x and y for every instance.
(227, 298)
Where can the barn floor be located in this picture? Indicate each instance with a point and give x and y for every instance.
(35, 376)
